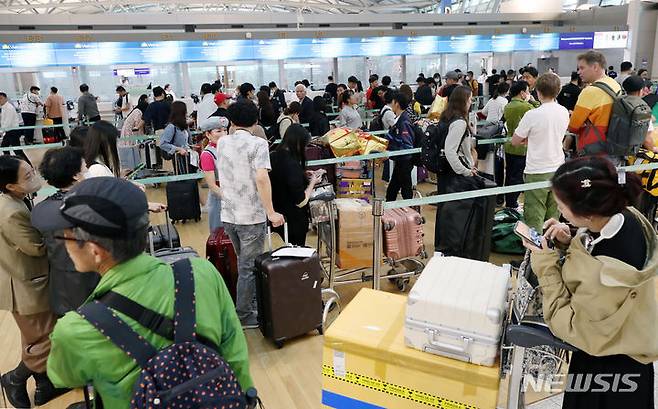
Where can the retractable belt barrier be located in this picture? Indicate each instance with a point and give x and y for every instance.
(47, 191)
(449, 197)
(32, 147)
(20, 128)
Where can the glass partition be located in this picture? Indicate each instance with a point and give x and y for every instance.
(352, 66)
(8, 83)
(101, 80)
(270, 71)
(386, 65)
(427, 64)
(201, 73)
(455, 61)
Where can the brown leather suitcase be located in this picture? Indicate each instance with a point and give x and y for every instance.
(403, 233)
(288, 291)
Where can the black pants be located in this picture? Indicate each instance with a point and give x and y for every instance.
(13, 138)
(297, 229)
(59, 131)
(586, 365)
(400, 180)
(514, 167)
(29, 120)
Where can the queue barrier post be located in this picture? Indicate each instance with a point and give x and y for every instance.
(377, 212)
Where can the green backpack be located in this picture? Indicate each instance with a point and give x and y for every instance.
(503, 238)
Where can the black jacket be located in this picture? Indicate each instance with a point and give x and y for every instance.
(307, 111)
(319, 124)
(68, 288)
(568, 96)
(158, 114)
(288, 186)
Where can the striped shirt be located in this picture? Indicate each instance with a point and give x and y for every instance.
(594, 105)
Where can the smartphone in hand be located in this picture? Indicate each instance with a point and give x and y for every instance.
(530, 235)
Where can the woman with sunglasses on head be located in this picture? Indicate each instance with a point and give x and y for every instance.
(601, 298)
(24, 283)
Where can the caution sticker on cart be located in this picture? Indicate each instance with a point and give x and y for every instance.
(394, 390)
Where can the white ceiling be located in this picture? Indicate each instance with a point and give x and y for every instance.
(135, 6)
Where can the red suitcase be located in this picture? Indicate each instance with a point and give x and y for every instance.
(221, 253)
(403, 233)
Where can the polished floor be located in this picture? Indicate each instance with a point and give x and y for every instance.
(287, 378)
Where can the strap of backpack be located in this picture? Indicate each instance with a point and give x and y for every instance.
(184, 310)
(121, 335)
(148, 318)
(607, 89)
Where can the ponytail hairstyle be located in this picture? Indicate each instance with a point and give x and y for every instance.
(345, 98)
(590, 186)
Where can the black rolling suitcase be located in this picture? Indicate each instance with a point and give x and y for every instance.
(164, 236)
(183, 196)
(171, 250)
(463, 227)
(288, 290)
(151, 154)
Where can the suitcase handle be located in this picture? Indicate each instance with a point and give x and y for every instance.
(269, 235)
(460, 350)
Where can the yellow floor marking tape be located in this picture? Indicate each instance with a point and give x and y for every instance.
(395, 390)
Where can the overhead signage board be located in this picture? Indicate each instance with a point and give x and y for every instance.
(157, 52)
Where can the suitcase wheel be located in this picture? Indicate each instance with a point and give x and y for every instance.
(402, 283)
(388, 226)
(320, 330)
(279, 343)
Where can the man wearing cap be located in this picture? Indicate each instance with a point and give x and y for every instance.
(222, 101)
(213, 128)
(452, 82)
(103, 223)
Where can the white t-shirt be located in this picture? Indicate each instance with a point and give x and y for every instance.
(544, 127)
(495, 109)
(205, 108)
(238, 157)
(388, 117)
(98, 169)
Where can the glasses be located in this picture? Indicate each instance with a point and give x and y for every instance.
(68, 239)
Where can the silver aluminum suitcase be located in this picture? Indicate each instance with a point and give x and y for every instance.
(457, 309)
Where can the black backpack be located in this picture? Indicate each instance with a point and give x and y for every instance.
(186, 371)
(419, 139)
(432, 154)
(377, 123)
(629, 122)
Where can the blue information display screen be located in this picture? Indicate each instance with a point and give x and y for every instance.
(45, 54)
(576, 41)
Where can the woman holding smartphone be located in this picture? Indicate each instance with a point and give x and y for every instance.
(602, 297)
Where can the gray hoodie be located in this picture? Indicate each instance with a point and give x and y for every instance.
(87, 107)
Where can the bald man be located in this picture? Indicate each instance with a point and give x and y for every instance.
(306, 103)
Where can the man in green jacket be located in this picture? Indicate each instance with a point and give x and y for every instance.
(104, 223)
(515, 155)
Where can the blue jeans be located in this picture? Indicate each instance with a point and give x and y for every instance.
(214, 211)
(249, 243)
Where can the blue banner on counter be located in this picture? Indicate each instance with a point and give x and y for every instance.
(150, 52)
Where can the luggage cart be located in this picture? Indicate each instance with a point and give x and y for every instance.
(528, 347)
(323, 218)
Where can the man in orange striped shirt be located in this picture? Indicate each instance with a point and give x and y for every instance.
(591, 115)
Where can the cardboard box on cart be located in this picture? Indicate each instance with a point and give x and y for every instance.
(366, 364)
(354, 233)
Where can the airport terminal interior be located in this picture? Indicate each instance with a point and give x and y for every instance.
(349, 204)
